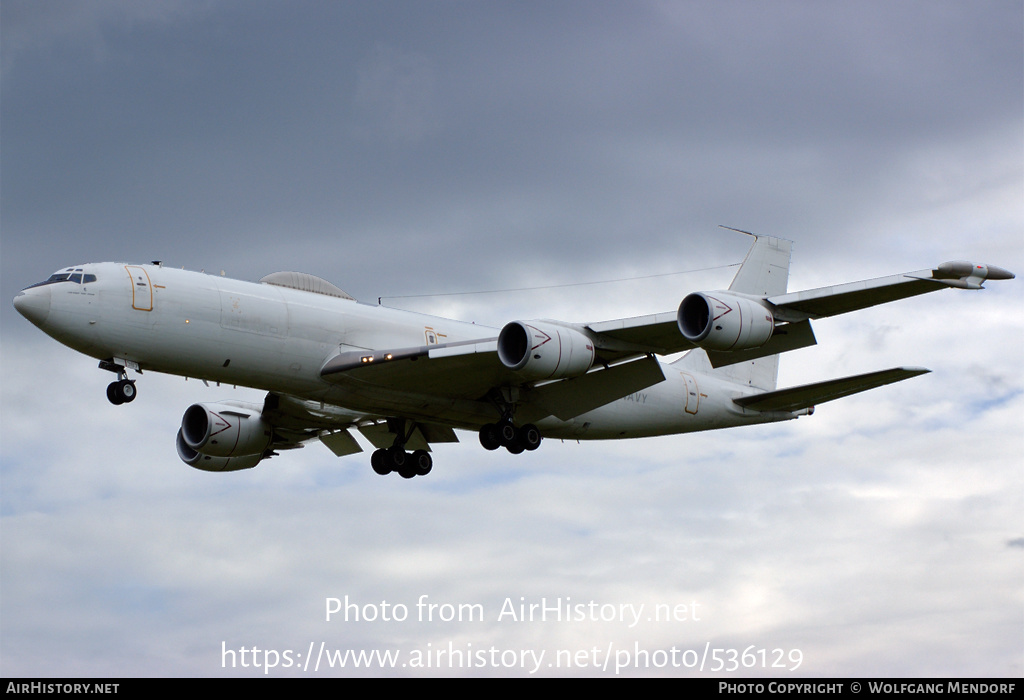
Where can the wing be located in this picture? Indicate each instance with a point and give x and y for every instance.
(840, 299)
(790, 312)
(468, 373)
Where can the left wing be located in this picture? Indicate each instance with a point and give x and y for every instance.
(787, 326)
(840, 299)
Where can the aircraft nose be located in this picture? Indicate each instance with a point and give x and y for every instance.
(34, 303)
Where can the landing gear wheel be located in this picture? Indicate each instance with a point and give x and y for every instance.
(113, 395)
(121, 392)
(490, 436)
(127, 390)
(529, 437)
(421, 462)
(395, 457)
(508, 432)
(378, 460)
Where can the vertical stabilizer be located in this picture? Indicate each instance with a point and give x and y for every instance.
(764, 272)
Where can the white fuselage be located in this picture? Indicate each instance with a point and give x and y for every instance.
(278, 339)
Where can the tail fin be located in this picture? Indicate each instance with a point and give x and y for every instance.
(764, 272)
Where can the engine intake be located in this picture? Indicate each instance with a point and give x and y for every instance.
(724, 321)
(540, 350)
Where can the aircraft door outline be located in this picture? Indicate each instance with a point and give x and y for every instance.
(142, 288)
(692, 394)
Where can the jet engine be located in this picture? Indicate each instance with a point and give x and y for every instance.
(724, 321)
(222, 437)
(540, 350)
(214, 464)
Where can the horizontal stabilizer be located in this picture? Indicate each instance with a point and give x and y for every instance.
(808, 395)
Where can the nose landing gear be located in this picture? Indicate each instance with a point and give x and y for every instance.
(123, 390)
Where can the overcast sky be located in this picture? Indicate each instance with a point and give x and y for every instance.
(406, 148)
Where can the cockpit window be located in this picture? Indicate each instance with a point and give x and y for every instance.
(77, 277)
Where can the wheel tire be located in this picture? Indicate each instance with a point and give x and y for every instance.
(395, 457)
(490, 437)
(422, 462)
(127, 391)
(529, 437)
(515, 448)
(509, 433)
(378, 460)
(114, 394)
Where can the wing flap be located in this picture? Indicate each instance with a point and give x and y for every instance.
(786, 337)
(569, 398)
(808, 395)
(381, 435)
(341, 443)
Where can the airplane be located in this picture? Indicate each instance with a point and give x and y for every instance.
(405, 380)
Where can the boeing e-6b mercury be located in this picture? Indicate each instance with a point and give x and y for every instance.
(404, 380)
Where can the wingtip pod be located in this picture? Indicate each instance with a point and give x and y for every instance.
(968, 275)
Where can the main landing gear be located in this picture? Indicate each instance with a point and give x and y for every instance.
(395, 459)
(508, 435)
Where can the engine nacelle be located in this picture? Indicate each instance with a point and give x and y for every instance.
(724, 321)
(224, 430)
(214, 464)
(540, 350)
